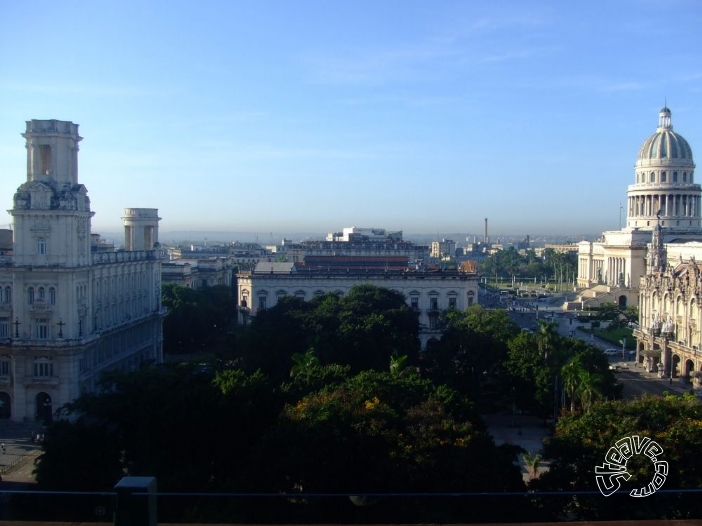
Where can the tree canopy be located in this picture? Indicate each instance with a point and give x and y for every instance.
(362, 330)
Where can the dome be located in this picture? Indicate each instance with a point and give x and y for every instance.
(665, 143)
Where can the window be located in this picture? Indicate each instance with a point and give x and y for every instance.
(433, 303)
(4, 366)
(52, 296)
(414, 302)
(675, 177)
(664, 177)
(45, 158)
(43, 367)
(42, 293)
(41, 246)
(433, 321)
(4, 327)
(261, 302)
(684, 177)
(30, 295)
(42, 325)
(8, 295)
(452, 303)
(653, 177)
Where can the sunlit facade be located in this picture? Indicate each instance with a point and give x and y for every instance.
(68, 309)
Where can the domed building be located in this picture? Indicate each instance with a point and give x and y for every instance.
(665, 186)
(664, 197)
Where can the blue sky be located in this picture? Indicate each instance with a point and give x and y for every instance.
(282, 116)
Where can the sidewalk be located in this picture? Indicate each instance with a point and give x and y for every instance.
(17, 464)
(676, 386)
(526, 431)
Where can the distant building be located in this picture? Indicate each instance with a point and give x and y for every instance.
(356, 234)
(444, 249)
(69, 307)
(428, 293)
(198, 273)
(357, 242)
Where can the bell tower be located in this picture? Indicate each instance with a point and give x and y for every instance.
(51, 209)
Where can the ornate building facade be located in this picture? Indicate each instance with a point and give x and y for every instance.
(69, 310)
(669, 337)
(664, 192)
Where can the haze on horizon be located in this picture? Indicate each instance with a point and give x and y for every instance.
(310, 116)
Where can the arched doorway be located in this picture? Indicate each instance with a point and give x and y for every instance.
(689, 367)
(43, 411)
(622, 301)
(5, 406)
(675, 370)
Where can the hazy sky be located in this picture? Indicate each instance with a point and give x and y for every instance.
(425, 116)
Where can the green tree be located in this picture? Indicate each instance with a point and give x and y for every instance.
(303, 362)
(470, 353)
(532, 462)
(581, 441)
(379, 432)
(194, 316)
(203, 420)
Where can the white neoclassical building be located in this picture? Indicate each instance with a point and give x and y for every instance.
(68, 309)
(427, 293)
(664, 192)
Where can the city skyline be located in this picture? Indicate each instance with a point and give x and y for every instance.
(312, 116)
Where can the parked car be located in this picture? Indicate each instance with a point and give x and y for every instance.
(612, 351)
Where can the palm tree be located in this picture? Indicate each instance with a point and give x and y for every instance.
(547, 338)
(572, 374)
(590, 389)
(303, 362)
(532, 463)
(398, 364)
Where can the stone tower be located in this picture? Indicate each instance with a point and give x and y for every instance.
(140, 228)
(51, 209)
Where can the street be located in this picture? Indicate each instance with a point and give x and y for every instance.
(635, 379)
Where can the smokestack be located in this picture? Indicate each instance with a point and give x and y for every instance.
(487, 239)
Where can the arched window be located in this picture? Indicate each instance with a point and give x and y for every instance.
(653, 177)
(664, 177)
(30, 295)
(8, 295)
(675, 177)
(42, 293)
(52, 296)
(41, 246)
(684, 177)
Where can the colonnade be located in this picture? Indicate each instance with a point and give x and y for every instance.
(616, 269)
(670, 205)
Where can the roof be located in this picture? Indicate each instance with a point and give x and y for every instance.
(267, 267)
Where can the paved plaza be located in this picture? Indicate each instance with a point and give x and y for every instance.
(17, 463)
